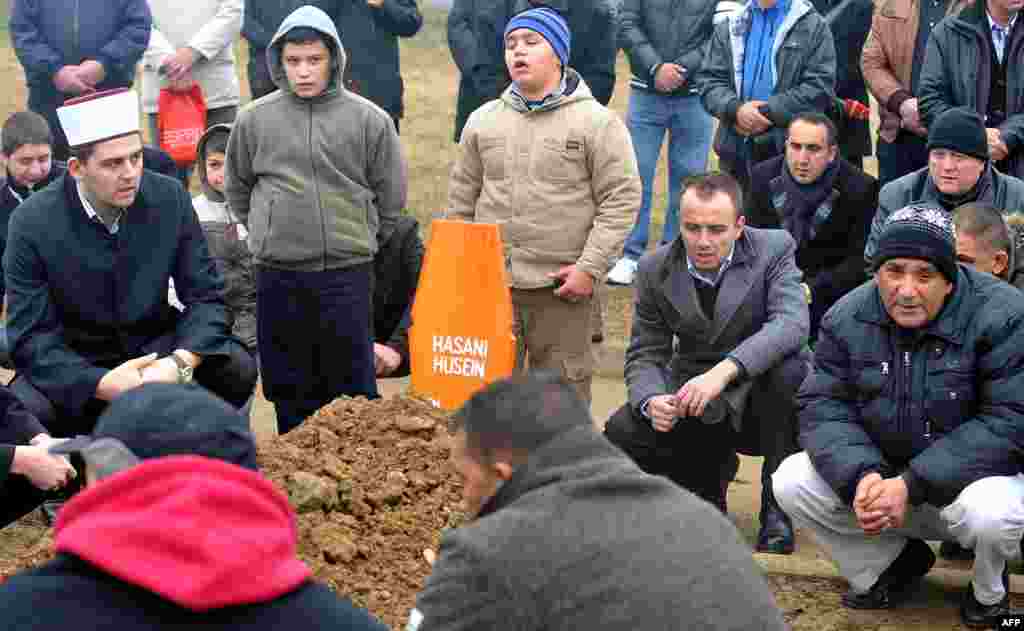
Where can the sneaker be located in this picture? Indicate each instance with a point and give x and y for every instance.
(623, 272)
(978, 616)
(897, 581)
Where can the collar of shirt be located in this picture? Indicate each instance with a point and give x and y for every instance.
(705, 278)
(534, 105)
(1003, 30)
(90, 212)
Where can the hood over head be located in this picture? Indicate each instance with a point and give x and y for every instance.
(201, 533)
(316, 19)
(204, 184)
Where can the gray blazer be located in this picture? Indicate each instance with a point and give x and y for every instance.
(761, 315)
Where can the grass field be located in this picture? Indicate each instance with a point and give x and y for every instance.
(431, 83)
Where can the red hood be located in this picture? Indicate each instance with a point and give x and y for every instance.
(199, 532)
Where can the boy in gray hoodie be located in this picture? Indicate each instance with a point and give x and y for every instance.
(314, 172)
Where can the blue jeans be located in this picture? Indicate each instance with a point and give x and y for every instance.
(690, 130)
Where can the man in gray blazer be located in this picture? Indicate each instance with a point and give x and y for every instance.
(718, 351)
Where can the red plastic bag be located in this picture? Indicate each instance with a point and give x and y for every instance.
(181, 122)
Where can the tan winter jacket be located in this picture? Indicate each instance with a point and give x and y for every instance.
(561, 181)
(888, 56)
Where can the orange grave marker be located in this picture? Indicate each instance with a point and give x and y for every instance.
(461, 334)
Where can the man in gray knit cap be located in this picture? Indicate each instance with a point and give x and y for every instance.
(911, 420)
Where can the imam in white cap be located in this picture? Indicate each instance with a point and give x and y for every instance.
(99, 116)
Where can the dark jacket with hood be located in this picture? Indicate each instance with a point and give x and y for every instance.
(314, 179)
(263, 17)
(580, 538)
(805, 75)
(17, 427)
(1002, 191)
(396, 273)
(594, 28)
(941, 404)
(11, 196)
(82, 300)
(225, 236)
(957, 72)
(475, 29)
(654, 32)
(227, 562)
(371, 40)
(832, 258)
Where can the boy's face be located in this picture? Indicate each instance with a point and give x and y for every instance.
(215, 171)
(29, 164)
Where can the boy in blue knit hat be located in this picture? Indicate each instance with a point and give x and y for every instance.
(556, 170)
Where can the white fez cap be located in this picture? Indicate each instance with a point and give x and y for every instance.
(99, 116)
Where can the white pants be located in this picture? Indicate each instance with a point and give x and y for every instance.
(987, 517)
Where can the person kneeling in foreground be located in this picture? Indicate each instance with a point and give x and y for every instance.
(568, 533)
(176, 529)
(911, 423)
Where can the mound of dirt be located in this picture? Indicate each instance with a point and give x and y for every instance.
(371, 483)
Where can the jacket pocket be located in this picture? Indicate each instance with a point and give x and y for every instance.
(493, 155)
(259, 231)
(950, 398)
(561, 160)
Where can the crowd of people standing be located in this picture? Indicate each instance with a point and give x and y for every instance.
(861, 333)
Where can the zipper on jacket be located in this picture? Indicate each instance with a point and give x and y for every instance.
(76, 29)
(908, 384)
(316, 190)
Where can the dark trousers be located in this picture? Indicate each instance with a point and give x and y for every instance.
(18, 498)
(702, 458)
(260, 83)
(315, 338)
(231, 377)
(905, 154)
(45, 101)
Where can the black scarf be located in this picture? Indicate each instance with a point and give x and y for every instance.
(803, 200)
(982, 191)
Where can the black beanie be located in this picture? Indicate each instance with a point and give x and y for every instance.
(961, 130)
(919, 232)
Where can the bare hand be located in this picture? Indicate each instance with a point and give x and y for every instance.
(892, 502)
(179, 64)
(696, 393)
(576, 284)
(750, 121)
(376, 4)
(386, 360)
(868, 491)
(92, 72)
(181, 85)
(68, 81)
(123, 378)
(997, 149)
(430, 557)
(44, 470)
(162, 371)
(669, 78)
(910, 117)
(663, 410)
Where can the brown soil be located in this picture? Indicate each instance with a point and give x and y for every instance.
(388, 461)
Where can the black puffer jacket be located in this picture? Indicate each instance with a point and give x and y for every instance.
(475, 28)
(941, 405)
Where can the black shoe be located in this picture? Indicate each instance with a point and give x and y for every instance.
(898, 580)
(978, 616)
(953, 551)
(597, 337)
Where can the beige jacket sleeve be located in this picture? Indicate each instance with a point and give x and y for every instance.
(466, 180)
(221, 31)
(615, 182)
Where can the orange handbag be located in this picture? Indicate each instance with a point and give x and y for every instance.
(181, 122)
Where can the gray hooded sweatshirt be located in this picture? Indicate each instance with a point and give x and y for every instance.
(314, 179)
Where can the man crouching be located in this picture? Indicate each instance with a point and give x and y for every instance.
(912, 423)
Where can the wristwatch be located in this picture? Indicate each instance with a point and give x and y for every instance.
(184, 369)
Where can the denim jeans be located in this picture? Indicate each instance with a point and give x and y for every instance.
(690, 129)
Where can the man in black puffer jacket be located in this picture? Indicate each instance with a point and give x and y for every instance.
(912, 423)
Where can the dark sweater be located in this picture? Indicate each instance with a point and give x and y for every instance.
(396, 269)
(17, 427)
(580, 538)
